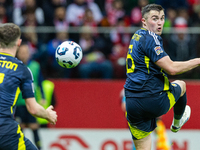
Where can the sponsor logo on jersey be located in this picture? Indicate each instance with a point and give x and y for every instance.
(158, 50)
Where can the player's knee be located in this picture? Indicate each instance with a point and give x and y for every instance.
(182, 84)
(183, 89)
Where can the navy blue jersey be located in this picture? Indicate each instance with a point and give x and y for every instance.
(14, 77)
(144, 77)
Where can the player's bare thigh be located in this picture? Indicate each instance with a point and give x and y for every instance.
(182, 84)
(143, 144)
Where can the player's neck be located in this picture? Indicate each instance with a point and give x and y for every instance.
(10, 51)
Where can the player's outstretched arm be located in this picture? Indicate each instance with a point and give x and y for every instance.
(38, 111)
(177, 67)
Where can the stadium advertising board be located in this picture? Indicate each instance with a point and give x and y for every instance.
(107, 139)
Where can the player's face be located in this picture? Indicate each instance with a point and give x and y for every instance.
(23, 53)
(154, 21)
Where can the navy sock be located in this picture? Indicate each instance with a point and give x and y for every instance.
(37, 139)
(179, 107)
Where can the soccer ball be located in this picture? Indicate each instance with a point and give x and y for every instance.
(68, 54)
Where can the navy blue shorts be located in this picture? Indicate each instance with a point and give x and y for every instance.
(16, 142)
(23, 116)
(142, 112)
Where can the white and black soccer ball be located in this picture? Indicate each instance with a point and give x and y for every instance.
(68, 54)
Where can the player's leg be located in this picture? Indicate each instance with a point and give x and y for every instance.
(16, 141)
(141, 139)
(143, 144)
(179, 106)
(140, 122)
(181, 111)
(29, 145)
(23, 142)
(182, 85)
(34, 126)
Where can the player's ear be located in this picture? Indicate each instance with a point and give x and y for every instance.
(143, 21)
(19, 41)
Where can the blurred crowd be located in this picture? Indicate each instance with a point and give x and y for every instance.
(104, 53)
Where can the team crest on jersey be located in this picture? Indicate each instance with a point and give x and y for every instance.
(158, 50)
(173, 84)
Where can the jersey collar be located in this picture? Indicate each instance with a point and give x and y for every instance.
(6, 54)
(144, 29)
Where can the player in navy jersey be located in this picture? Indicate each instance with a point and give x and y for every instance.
(16, 77)
(149, 93)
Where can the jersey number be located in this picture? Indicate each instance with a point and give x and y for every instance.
(129, 57)
(1, 77)
(130, 69)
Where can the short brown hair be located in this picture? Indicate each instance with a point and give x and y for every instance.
(150, 7)
(9, 33)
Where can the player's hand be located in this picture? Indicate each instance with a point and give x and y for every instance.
(52, 115)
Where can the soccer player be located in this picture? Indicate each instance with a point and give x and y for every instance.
(16, 77)
(22, 116)
(149, 93)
